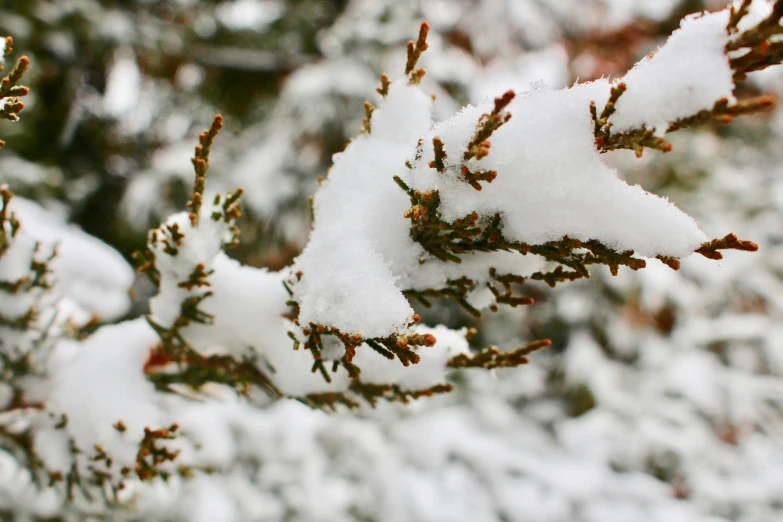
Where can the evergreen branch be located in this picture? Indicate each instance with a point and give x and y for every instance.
(710, 249)
(478, 147)
(492, 358)
(415, 49)
(200, 162)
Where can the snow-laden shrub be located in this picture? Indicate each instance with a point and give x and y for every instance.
(468, 209)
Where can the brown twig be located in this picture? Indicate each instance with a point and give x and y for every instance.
(711, 249)
(415, 49)
(492, 358)
(200, 162)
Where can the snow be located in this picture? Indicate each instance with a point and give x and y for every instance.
(759, 10)
(123, 85)
(504, 444)
(100, 382)
(246, 307)
(356, 277)
(16, 259)
(551, 182)
(249, 14)
(687, 75)
(17, 488)
(90, 272)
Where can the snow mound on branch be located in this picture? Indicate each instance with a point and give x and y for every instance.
(244, 311)
(244, 316)
(687, 75)
(360, 237)
(101, 381)
(86, 269)
(551, 180)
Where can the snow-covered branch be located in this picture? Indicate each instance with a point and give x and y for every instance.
(470, 208)
(520, 174)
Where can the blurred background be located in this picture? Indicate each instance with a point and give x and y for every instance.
(661, 397)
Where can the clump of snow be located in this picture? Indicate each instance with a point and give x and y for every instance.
(18, 489)
(356, 287)
(687, 75)
(245, 312)
(100, 382)
(16, 258)
(551, 182)
(34, 311)
(123, 85)
(249, 14)
(87, 270)
(358, 219)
